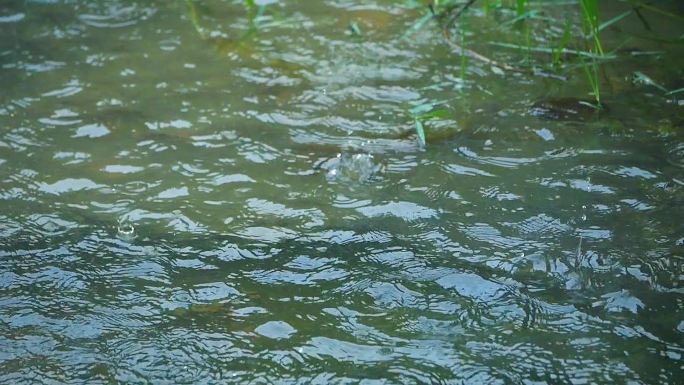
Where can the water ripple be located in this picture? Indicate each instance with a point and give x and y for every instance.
(203, 192)
(117, 16)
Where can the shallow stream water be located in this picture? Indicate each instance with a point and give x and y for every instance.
(183, 201)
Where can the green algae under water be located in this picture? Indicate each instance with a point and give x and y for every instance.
(226, 195)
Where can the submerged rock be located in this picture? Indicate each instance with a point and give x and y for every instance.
(572, 109)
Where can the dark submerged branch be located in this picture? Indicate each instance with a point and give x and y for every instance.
(452, 18)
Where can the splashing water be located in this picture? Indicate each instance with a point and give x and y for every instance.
(350, 168)
(125, 230)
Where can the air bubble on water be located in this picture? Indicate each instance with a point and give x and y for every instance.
(583, 217)
(125, 230)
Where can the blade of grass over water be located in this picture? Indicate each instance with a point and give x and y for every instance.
(614, 20)
(418, 25)
(549, 50)
(424, 112)
(591, 22)
(590, 18)
(520, 7)
(592, 72)
(532, 14)
(647, 53)
(194, 18)
(558, 51)
(654, 9)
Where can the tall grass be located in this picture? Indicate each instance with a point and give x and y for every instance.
(562, 44)
(591, 69)
(590, 18)
(589, 57)
(591, 27)
(520, 6)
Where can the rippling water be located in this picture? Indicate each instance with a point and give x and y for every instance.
(182, 205)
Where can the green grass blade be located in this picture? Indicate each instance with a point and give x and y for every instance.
(526, 15)
(562, 44)
(591, 71)
(591, 20)
(520, 7)
(552, 50)
(418, 25)
(194, 18)
(651, 8)
(613, 20)
(420, 131)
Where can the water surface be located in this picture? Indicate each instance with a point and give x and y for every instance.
(185, 201)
